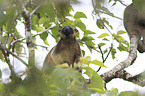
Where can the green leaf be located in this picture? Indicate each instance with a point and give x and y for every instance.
(80, 15)
(85, 60)
(105, 39)
(68, 22)
(121, 32)
(99, 63)
(2, 88)
(46, 42)
(17, 34)
(105, 51)
(79, 24)
(0, 74)
(100, 23)
(103, 35)
(113, 52)
(47, 11)
(90, 48)
(112, 92)
(101, 44)
(87, 32)
(83, 53)
(50, 12)
(44, 35)
(55, 33)
(11, 14)
(122, 48)
(3, 17)
(1, 56)
(87, 38)
(128, 93)
(35, 21)
(39, 28)
(88, 58)
(70, 81)
(114, 3)
(62, 8)
(42, 20)
(18, 48)
(97, 81)
(105, 21)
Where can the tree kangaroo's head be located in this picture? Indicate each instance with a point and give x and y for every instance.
(68, 32)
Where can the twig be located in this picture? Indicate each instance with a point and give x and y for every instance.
(44, 30)
(122, 2)
(41, 46)
(88, 45)
(106, 57)
(8, 51)
(35, 10)
(112, 34)
(16, 57)
(1, 31)
(103, 12)
(21, 39)
(108, 53)
(12, 24)
(38, 45)
(13, 74)
(111, 15)
(124, 64)
(101, 52)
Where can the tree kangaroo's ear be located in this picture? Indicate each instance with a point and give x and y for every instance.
(59, 30)
(76, 30)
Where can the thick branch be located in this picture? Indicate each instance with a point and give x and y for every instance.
(138, 79)
(27, 18)
(129, 61)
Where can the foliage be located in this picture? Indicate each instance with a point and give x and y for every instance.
(62, 81)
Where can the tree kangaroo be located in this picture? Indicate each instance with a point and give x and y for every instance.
(134, 23)
(67, 51)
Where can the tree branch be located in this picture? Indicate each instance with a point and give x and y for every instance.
(111, 33)
(101, 52)
(21, 39)
(8, 51)
(137, 79)
(35, 10)
(104, 59)
(129, 61)
(13, 76)
(27, 18)
(88, 45)
(122, 2)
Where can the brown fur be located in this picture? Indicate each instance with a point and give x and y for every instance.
(134, 23)
(67, 50)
